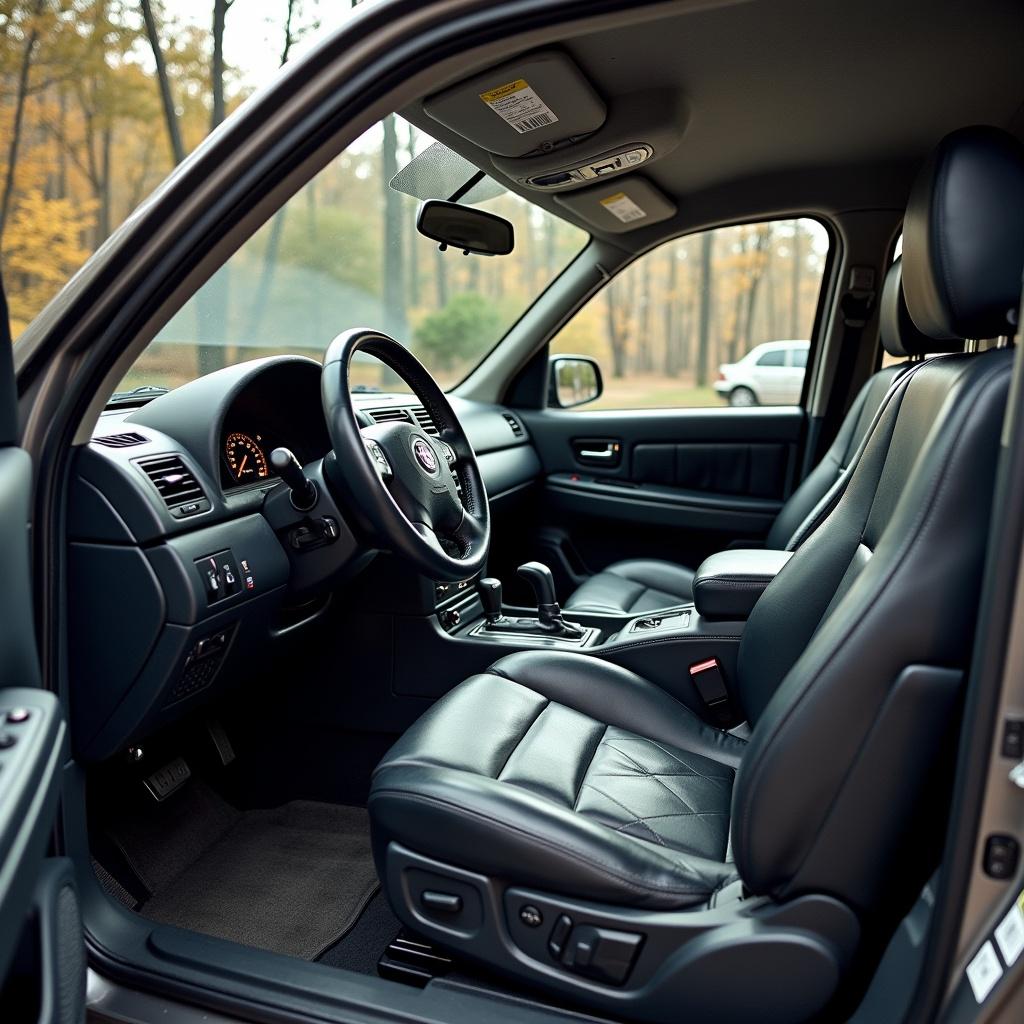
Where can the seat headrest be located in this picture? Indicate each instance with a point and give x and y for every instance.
(900, 336)
(963, 236)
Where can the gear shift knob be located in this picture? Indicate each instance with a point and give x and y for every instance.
(539, 577)
(489, 590)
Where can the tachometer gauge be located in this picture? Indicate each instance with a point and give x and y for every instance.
(245, 458)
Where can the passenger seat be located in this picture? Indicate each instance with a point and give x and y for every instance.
(643, 585)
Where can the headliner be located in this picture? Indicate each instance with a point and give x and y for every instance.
(799, 105)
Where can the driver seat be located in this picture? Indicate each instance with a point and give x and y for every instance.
(569, 823)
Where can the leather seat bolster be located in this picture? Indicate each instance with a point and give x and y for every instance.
(634, 586)
(511, 830)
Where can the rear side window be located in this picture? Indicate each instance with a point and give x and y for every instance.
(670, 331)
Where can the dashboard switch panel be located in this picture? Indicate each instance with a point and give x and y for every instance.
(220, 576)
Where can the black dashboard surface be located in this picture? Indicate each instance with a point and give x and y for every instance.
(157, 518)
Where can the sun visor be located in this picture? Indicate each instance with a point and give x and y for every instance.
(621, 205)
(524, 106)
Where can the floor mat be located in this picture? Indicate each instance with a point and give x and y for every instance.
(291, 880)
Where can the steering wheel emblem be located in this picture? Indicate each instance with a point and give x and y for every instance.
(425, 455)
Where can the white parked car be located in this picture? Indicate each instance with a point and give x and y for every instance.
(769, 374)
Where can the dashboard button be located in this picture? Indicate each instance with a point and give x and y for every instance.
(18, 715)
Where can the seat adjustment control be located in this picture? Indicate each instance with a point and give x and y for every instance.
(441, 902)
(601, 953)
(556, 941)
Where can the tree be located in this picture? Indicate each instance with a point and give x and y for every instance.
(707, 241)
(31, 42)
(163, 83)
(454, 334)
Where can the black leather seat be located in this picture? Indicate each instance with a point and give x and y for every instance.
(641, 585)
(570, 823)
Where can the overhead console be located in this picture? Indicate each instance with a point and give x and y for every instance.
(546, 127)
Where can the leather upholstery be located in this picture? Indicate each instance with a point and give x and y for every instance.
(634, 586)
(587, 779)
(896, 329)
(729, 583)
(963, 236)
(568, 774)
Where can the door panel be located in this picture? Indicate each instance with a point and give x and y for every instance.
(42, 962)
(687, 483)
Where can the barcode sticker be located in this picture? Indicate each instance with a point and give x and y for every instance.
(621, 206)
(518, 105)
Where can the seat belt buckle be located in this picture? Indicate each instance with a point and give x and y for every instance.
(709, 680)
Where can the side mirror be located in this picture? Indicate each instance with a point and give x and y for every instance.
(465, 228)
(575, 380)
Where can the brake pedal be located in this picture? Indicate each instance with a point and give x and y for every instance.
(168, 780)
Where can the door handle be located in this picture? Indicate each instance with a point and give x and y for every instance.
(598, 451)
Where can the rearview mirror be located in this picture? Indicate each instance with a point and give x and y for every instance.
(575, 380)
(465, 228)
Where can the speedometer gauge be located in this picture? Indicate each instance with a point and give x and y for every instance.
(245, 458)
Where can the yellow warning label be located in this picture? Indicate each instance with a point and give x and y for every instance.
(503, 90)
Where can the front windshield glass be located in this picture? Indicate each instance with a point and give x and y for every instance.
(344, 252)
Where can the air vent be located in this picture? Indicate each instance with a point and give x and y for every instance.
(424, 420)
(120, 440)
(389, 415)
(176, 485)
(517, 428)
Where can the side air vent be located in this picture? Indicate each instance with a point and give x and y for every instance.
(120, 440)
(518, 430)
(388, 415)
(176, 485)
(422, 417)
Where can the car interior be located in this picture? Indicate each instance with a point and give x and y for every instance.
(641, 714)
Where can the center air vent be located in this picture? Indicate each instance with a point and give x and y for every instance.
(422, 417)
(176, 484)
(120, 440)
(518, 430)
(389, 415)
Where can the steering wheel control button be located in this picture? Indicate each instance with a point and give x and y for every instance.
(18, 715)
(440, 902)
(531, 916)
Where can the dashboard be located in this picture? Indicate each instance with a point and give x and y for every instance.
(185, 553)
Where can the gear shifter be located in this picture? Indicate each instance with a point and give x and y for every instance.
(549, 614)
(489, 590)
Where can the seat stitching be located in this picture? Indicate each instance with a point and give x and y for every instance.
(646, 772)
(629, 810)
(693, 771)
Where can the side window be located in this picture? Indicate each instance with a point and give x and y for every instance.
(692, 323)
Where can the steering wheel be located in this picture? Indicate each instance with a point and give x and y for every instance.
(421, 496)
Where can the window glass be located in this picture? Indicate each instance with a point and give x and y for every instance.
(800, 357)
(776, 357)
(672, 330)
(344, 252)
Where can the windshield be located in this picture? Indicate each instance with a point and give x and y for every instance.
(344, 252)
